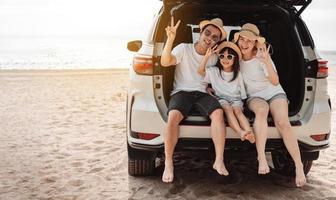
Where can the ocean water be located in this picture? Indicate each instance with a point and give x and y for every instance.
(73, 52)
(63, 52)
(330, 56)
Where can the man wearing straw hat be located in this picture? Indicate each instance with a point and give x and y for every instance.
(189, 91)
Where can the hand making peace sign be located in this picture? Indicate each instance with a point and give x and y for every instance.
(265, 55)
(171, 30)
(211, 51)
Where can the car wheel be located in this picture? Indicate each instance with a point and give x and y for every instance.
(284, 164)
(140, 162)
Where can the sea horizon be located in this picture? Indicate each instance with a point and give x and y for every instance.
(64, 52)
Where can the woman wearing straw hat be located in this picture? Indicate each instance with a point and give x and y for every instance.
(189, 91)
(266, 94)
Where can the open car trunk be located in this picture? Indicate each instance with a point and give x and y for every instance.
(300, 4)
(276, 24)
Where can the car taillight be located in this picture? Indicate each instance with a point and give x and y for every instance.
(322, 71)
(320, 137)
(144, 136)
(143, 64)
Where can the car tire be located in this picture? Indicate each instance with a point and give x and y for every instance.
(284, 164)
(140, 162)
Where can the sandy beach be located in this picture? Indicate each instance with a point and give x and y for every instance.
(62, 136)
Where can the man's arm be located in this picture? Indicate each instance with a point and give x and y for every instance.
(201, 68)
(167, 58)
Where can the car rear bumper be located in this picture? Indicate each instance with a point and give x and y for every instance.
(197, 144)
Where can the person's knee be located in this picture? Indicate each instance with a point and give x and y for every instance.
(174, 117)
(217, 115)
(282, 124)
(227, 108)
(262, 111)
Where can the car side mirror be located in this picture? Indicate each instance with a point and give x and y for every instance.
(134, 45)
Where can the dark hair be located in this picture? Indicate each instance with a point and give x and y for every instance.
(235, 66)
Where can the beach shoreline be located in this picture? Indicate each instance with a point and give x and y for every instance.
(63, 137)
(14, 72)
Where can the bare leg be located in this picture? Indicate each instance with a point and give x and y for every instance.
(233, 123)
(279, 110)
(244, 124)
(218, 137)
(170, 139)
(260, 108)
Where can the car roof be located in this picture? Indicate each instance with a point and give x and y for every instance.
(288, 2)
(282, 3)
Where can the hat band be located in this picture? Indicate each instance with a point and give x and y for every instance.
(248, 30)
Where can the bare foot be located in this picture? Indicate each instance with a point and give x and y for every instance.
(247, 135)
(263, 167)
(168, 173)
(300, 178)
(242, 135)
(220, 168)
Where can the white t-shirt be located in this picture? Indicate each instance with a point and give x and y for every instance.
(256, 81)
(186, 76)
(222, 85)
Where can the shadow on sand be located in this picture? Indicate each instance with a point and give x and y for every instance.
(195, 179)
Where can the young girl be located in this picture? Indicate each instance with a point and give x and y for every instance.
(266, 94)
(229, 88)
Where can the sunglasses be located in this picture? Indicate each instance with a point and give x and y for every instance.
(227, 56)
(214, 37)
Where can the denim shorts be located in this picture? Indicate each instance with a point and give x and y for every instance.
(184, 101)
(231, 102)
(277, 96)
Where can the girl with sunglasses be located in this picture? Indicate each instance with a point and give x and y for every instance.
(265, 95)
(228, 86)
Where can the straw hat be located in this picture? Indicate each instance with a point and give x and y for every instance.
(232, 46)
(215, 22)
(249, 31)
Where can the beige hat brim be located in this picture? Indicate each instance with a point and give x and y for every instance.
(207, 22)
(249, 36)
(230, 45)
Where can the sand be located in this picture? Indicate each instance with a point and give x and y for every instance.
(62, 136)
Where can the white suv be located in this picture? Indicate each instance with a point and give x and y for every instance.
(303, 75)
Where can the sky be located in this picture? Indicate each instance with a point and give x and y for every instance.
(37, 33)
(123, 19)
(76, 17)
(320, 17)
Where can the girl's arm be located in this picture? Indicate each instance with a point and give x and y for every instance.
(210, 90)
(201, 68)
(207, 81)
(242, 90)
(209, 52)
